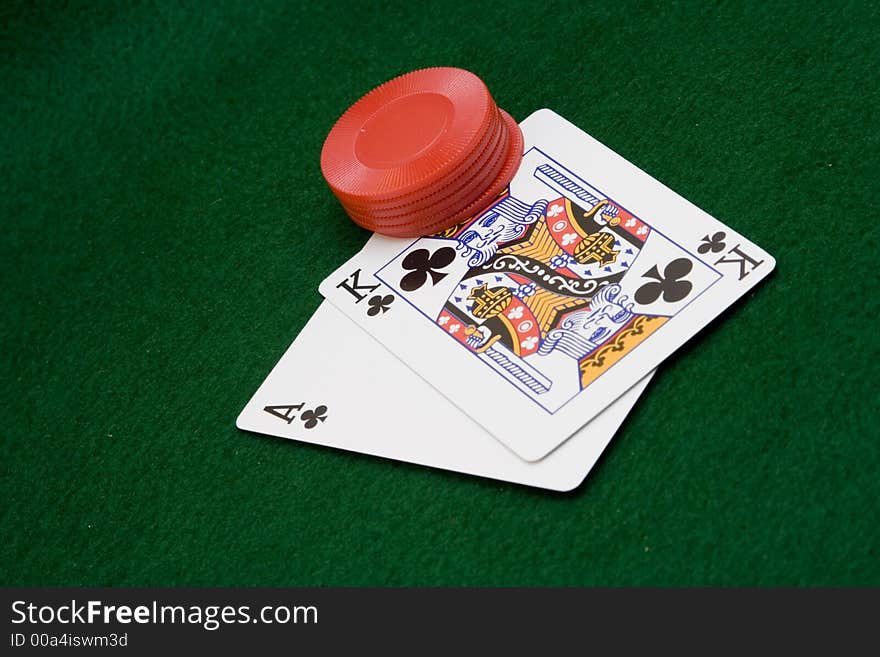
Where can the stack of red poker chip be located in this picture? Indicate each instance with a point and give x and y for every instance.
(421, 153)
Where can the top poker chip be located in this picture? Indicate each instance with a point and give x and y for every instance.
(419, 150)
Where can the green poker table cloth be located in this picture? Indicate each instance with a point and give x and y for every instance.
(166, 225)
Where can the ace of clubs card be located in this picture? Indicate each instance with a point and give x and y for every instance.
(336, 386)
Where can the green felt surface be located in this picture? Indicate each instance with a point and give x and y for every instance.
(165, 227)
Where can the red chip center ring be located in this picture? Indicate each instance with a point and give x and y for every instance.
(390, 138)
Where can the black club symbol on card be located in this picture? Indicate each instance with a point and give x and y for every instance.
(715, 244)
(379, 304)
(312, 417)
(421, 263)
(669, 284)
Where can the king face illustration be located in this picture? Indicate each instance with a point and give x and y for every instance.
(505, 221)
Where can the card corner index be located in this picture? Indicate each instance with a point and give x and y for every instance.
(744, 260)
(354, 281)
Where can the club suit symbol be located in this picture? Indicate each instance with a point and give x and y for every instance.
(379, 304)
(670, 284)
(421, 263)
(715, 244)
(312, 417)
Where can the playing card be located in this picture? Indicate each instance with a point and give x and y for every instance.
(337, 386)
(540, 311)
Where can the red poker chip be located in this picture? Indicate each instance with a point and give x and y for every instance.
(470, 171)
(443, 185)
(436, 223)
(425, 224)
(406, 133)
(421, 152)
(468, 185)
